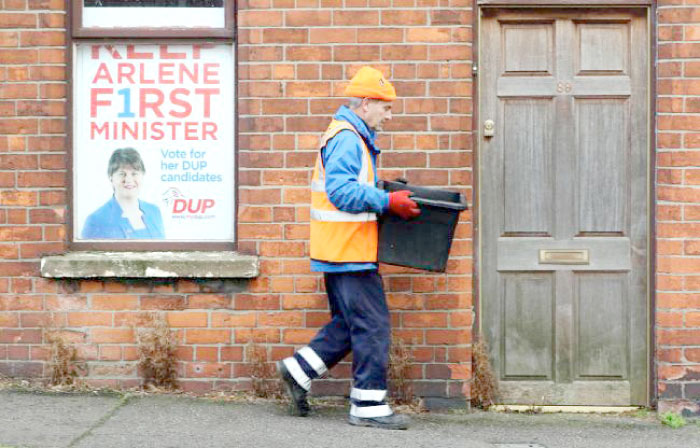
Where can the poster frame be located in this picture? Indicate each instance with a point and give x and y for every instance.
(227, 32)
(142, 245)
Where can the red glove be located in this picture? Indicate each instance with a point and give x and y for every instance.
(400, 204)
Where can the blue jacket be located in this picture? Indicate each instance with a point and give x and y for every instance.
(342, 160)
(107, 222)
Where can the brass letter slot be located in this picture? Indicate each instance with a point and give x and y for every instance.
(564, 256)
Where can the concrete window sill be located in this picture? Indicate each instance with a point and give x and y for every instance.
(150, 265)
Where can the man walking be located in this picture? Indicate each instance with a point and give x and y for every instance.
(344, 206)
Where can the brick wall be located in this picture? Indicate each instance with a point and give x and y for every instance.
(678, 199)
(293, 60)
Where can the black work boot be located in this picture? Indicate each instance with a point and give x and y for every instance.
(297, 394)
(393, 421)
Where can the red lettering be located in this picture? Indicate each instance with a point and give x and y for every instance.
(208, 203)
(102, 73)
(191, 131)
(196, 49)
(157, 131)
(144, 103)
(125, 71)
(196, 209)
(211, 73)
(185, 105)
(179, 205)
(131, 53)
(164, 54)
(165, 73)
(173, 128)
(95, 53)
(142, 78)
(206, 94)
(209, 129)
(99, 130)
(94, 102)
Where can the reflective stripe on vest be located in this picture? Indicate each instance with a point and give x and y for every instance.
(339, 236)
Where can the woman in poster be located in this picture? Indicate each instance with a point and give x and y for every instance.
(125, 216)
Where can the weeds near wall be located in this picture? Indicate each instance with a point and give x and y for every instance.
(485, 386)
(672, 420)
(400, 362)
(156, 345)
(63, 365)
(263, 374)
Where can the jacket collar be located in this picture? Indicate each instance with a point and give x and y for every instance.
(116, 217)
(345, 114)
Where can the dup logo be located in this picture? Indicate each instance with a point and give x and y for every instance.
(179, 204)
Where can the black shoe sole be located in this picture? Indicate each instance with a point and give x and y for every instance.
(367, 422)
(298, 405)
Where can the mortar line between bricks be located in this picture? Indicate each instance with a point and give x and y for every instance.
(122, 402)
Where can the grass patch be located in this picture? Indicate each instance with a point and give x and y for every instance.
(672, 420)
(400, 362)
(157, 361)
(263, 374)
(64, 366)
(484, 387)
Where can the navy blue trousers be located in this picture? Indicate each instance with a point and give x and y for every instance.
(359, 323)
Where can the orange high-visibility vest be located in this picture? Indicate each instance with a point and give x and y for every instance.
(338, 236)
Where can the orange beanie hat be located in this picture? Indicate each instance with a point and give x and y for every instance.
(369, 82)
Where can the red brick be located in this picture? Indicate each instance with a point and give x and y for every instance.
(163, 303)
(187, 319)
(334, 35)
(19, 126)
(424, 320)
(404, 17)
(288, 35)
(208, 336)
(247, 18)
(308, 89)
(264, 335)
(111, 335)
(42, 38)
(448, 337)
(9, 320)
(298, 336)
(307, 53)
(281, 319)
(52, 20)
(83, 319)
(17, 20)
(205, 301)
(355, 18)
(307, 18)
(30, 179)
(256, 302)
(233, 319)
(114, 302)
(24, 56)
(232, 353)
(65, 303)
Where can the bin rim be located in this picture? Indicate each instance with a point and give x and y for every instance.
(461, 205)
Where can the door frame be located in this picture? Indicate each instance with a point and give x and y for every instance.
(649, 6)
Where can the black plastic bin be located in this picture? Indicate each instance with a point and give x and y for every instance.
(423, 242)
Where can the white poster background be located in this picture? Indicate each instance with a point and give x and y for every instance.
(171, 161)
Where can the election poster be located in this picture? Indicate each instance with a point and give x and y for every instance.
(153, 142)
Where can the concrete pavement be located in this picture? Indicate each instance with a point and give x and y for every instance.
(32, 419)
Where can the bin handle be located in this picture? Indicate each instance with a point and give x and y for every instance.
(461, 205)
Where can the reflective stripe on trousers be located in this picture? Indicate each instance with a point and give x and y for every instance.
(359, 322)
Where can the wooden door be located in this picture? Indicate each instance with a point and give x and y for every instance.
(564, 204)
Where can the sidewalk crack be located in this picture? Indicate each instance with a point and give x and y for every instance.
(122, 402)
